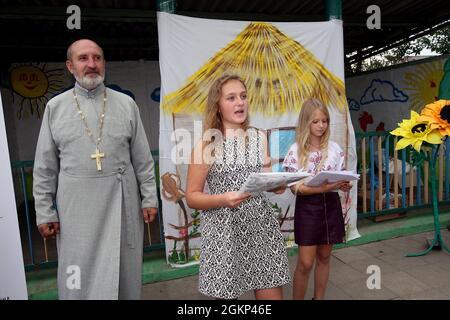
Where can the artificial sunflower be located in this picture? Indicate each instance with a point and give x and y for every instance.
(415, 132)
(438, 116)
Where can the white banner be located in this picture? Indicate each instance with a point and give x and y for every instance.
(12, 273)
(282, 64)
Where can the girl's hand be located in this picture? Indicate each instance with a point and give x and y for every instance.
(295, 188)
(233, 199)
(346, 187)
(278, 190)
(341, 185)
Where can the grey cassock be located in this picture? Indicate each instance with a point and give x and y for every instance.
(101, 222)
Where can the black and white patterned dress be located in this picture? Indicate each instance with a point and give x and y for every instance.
(242, 248)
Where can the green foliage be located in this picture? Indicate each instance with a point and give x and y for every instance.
(195, 214)
(275, 208)
(181, 257)
(173, 258)
(437, 41)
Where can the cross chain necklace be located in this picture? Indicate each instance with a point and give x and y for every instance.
(97, 155)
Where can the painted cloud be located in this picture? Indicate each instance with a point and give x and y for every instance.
(382, 90)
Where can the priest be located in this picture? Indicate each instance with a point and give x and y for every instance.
(94, 183)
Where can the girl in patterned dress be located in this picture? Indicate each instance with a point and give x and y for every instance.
(242, 248)
(318, 217)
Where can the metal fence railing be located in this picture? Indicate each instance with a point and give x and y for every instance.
(389, 182)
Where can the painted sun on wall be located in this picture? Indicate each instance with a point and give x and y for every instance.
(32, 86)
(422, 84)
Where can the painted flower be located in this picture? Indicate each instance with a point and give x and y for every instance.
(197, 255)
(438, 116)
(183, 232)
(415, 132)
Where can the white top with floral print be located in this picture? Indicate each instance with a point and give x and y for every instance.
(333, 162)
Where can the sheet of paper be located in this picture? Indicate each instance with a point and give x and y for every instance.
(332, 176)
(264, 181)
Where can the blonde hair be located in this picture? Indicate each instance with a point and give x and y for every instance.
(303, 133)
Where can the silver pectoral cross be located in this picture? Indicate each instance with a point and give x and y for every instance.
(97, 155)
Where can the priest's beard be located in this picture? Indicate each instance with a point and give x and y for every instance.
(89, 83)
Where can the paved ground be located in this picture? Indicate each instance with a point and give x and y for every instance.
(425, 277)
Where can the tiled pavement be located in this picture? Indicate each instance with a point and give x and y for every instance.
(404, 278)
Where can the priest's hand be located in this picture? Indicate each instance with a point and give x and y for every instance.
(149, 214)
(49, 230)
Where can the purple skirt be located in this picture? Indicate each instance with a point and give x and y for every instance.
(318, 219)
